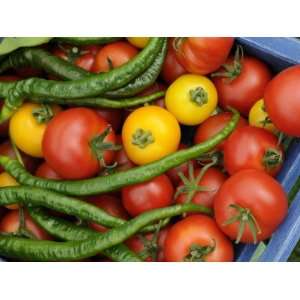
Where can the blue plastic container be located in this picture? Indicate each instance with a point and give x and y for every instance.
(278, 53)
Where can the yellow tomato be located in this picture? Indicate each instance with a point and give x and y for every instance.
(258, 117)
(27, 127)
(150, 133)
(139, 42)
(191, 99)
(7, 180)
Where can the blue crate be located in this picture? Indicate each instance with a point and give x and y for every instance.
(278, 53)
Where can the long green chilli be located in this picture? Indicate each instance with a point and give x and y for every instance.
(68, 231)
(82, 41)
(25, 249)
(102, 102)
(55, 201)
(116, 181)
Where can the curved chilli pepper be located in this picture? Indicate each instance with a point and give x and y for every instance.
(83, 41)
(76, 250)
(94, 85)
(67, 231)
(71, 206)
(102, 102)
(116, 181)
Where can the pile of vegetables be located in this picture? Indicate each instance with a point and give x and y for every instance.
(141, 149)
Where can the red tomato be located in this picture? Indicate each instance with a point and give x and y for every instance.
(203, 55)
(173, 173)
(171, 69)
(112, 116)
(240, 89)
(155, 87)
(213, 125)
(191, 238)
(72, 141)
(45, 171)
(253, 196)
(111, 205)
(147, 246)
(155, 193)
(282, 101)
(10, 224)
(113, 55)
(253, 148)
(29, 162)
(28, 72)
(212, 179)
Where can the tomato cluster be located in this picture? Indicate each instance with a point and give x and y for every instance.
(202, 77)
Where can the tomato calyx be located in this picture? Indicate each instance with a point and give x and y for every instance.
(72, 53)
(99, 146)
(199, 96)
(109, 63)
(272, 158)
(244, 217)
(43, 114)
(234, 69)
(177, 43)
(191, 184)
(142, 138)
(197, 253)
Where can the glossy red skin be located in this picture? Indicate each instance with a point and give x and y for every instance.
(119, 53)
(212, 179)
(257, 191)
(29, 162)
(155, 193)
(203, 55)
(112, 116)
(197, 230)
(45, 171)
(282, 100)
(213, 125)
(247, 88)
(171, 69)
(135, 244)
(246, 147)
(66, 143)
(10, 223)
(173, 173)
(111, 205)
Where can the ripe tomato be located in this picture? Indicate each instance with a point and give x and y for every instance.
(282, 100)
(111, 205)
(6, 149)
(10, 224)
(7, 180)
(82, 138)
(171, 69)
(150, 133)
(139, 42)
(258, 117)
(251, 199)
(202, 55)
(113, 55)
(252, 148)
(211, 181)
(242, 83)
(155, 193)
(27, 126)
(155, 87)
(112, 116)
(213, 125)
(191, 99)
(121, 158)
(45, 171)
(197, 238)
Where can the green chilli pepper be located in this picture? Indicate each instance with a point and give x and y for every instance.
(116, 181)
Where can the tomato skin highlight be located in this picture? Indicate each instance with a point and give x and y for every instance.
(282, 100)
(213, 125)
(247, 88)
(155, 193)
(72, 131)
(45, 171)
(256, 191)
(246, 148)
(198, 230)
